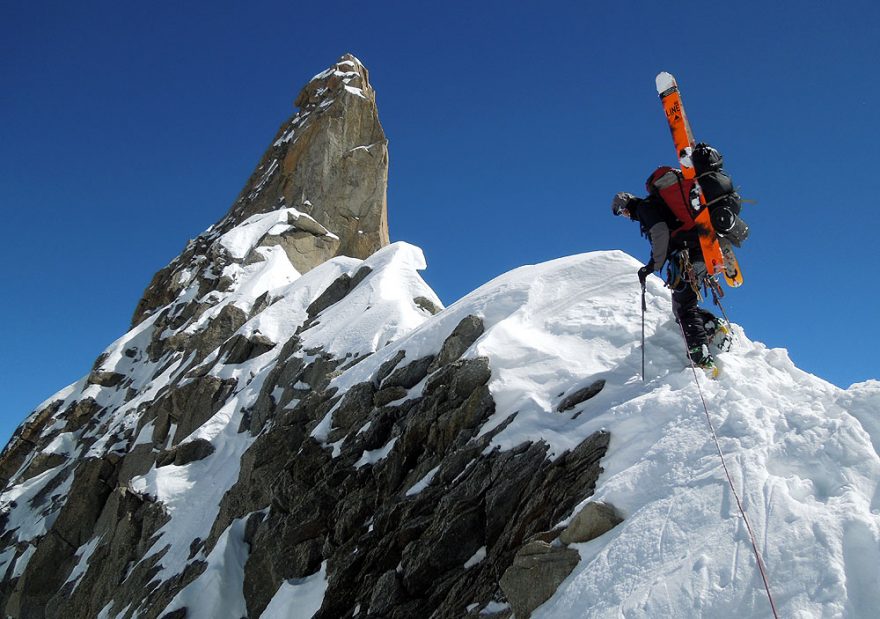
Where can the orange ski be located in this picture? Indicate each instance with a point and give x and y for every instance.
(718, 259)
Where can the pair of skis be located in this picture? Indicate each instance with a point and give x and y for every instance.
(717, 252)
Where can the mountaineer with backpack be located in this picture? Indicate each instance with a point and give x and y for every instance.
(667, 219)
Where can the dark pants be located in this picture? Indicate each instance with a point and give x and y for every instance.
(688, 314)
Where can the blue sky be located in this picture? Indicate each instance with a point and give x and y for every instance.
(128, 129)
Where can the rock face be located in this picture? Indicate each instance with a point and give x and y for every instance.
(593, 520)
(268, 421)
(328, 164)
(545, 561)
(537, 570)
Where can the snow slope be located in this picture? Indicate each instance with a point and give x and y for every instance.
(803, 453)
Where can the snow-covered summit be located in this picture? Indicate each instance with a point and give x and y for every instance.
(345, 375)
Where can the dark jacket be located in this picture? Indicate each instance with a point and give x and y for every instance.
(659, 225)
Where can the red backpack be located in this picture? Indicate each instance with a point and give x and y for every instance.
(677, 192)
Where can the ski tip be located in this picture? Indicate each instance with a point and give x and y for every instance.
(665, 82)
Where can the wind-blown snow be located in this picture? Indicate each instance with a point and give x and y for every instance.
(380, 310)
(242, 238)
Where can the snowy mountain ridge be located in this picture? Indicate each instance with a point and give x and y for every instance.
(801, 448)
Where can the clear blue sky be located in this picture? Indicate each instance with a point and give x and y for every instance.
(129, 128)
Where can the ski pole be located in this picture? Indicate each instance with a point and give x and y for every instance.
(644, 307)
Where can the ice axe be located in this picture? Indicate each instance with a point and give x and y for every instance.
(644, 308)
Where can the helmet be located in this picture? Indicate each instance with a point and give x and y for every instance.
(620, 202)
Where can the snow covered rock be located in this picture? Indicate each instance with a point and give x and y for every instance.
(593, 520)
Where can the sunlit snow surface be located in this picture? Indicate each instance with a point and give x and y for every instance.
(804, 465)
(803, 453)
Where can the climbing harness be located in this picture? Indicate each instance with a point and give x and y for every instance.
(742, 511)
(681, 272)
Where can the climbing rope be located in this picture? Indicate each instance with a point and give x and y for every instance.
(742, 510)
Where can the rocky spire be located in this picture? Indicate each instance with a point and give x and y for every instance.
(329, 161)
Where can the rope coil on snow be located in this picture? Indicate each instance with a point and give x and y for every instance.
(742, 510)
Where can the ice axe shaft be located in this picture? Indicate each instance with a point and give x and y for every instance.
(644, 308)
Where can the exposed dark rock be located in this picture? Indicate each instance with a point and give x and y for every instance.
(386, 368)
(239, 348)
(336, 291)
(137, 462)
(195, 548)
(469, 375)
(80, 413)
(105, 379)
(262, 302)
(189, 406)
(386, 594)
(547, 536)
(43, 576)
(228, 321)
(190, 451)
(23, 441)
(93, 481)
(581, 395)
(47, 569)
(409, 375)
(354, 408)
(41, 463)
(462, 337)
(388, 395)
(125, 527)
(537, 571)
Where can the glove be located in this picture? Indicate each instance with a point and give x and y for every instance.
(645, 271)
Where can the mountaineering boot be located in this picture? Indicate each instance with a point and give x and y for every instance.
(723, 338)
(718, 332)
(703, 360)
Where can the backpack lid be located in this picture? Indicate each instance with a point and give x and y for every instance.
(706, 159)
(663, 178)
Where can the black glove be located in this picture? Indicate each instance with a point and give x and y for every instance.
(645, 271)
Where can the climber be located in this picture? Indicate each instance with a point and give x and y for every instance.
(677, 243)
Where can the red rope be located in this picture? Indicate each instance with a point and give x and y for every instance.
(742, 511)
